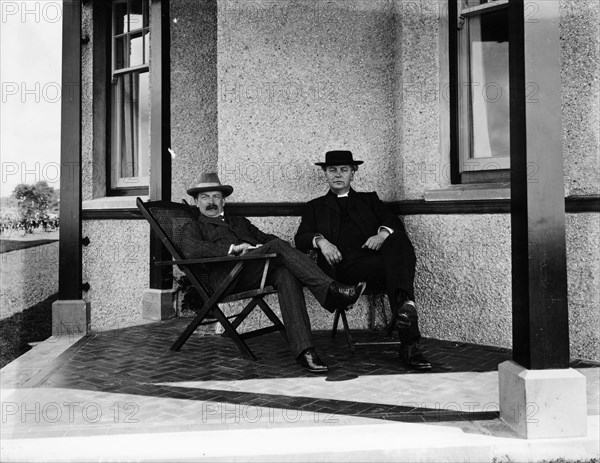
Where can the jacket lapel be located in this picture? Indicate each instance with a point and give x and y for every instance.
(330, 201)
(358, 212)
(332, 216)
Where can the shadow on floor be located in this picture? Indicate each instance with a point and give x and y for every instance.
(34, 324)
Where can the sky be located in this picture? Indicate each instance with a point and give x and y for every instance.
(30, 78)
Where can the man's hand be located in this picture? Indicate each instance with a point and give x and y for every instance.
(330, 251)
(376, 241)
(243, 248)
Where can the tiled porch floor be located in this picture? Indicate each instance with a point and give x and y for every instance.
(127, 381)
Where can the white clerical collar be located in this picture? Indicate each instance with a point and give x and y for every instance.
(345, 195)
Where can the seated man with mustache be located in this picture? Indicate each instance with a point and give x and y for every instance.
(216, 234)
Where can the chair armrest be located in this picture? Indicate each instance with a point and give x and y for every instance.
(208, 260)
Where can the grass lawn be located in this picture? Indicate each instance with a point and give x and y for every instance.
(34, 324)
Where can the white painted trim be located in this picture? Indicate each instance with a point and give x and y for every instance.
(112, 202)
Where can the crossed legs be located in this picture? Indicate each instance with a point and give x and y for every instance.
(288, 273)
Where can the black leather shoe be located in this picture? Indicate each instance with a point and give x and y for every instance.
(402, 316)
(340, 295)
(407, 312)
(412, 356)
(310, 360)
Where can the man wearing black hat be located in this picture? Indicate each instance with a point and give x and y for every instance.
(216, 234)
(360, 239)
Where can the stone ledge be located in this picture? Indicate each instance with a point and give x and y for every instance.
(474, 192)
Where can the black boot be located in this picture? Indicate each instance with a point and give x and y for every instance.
(412, 356)
(403, 314)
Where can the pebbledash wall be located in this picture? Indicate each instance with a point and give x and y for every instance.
(261, 89)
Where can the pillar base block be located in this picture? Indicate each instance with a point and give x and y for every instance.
(543, 403)
(158, 304)
(70, 317)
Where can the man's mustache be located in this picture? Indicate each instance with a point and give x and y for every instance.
(210, 207)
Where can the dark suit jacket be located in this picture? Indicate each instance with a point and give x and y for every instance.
(322, 216)
(211, 237)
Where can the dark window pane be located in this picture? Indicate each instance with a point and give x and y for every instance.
(120, 53)
(136, 15)
(120, 18)
(494, 26)
(146, 14)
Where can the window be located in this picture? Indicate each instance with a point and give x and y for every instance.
(483, 98)
(130, 97)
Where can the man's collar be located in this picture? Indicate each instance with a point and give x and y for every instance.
(331, 199)
(219, 219)
(345, 195)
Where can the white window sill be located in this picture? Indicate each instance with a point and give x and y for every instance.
(112, 202)
(471, 192)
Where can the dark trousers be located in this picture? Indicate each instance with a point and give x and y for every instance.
(392, 269)
(288, 273)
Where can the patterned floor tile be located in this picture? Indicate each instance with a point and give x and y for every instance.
(131, 378)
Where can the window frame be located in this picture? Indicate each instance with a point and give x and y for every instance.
(116, 185)
(468, 169)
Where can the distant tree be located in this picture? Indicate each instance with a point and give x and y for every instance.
(8, 205)
(35, 200)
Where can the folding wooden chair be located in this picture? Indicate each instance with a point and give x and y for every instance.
(168, 220)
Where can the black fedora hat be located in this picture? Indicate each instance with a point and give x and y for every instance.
(210, 182)
(338, 158)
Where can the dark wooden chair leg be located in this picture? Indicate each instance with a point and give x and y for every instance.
(244, 313)
(274, 319)
(234, 335)
(336, 320)
(347, 332)
(210, 304)
(390, 328)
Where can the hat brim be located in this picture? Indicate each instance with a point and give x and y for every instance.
(338, 163)
(225, 189)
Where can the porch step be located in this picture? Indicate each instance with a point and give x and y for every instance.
(395, 442)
